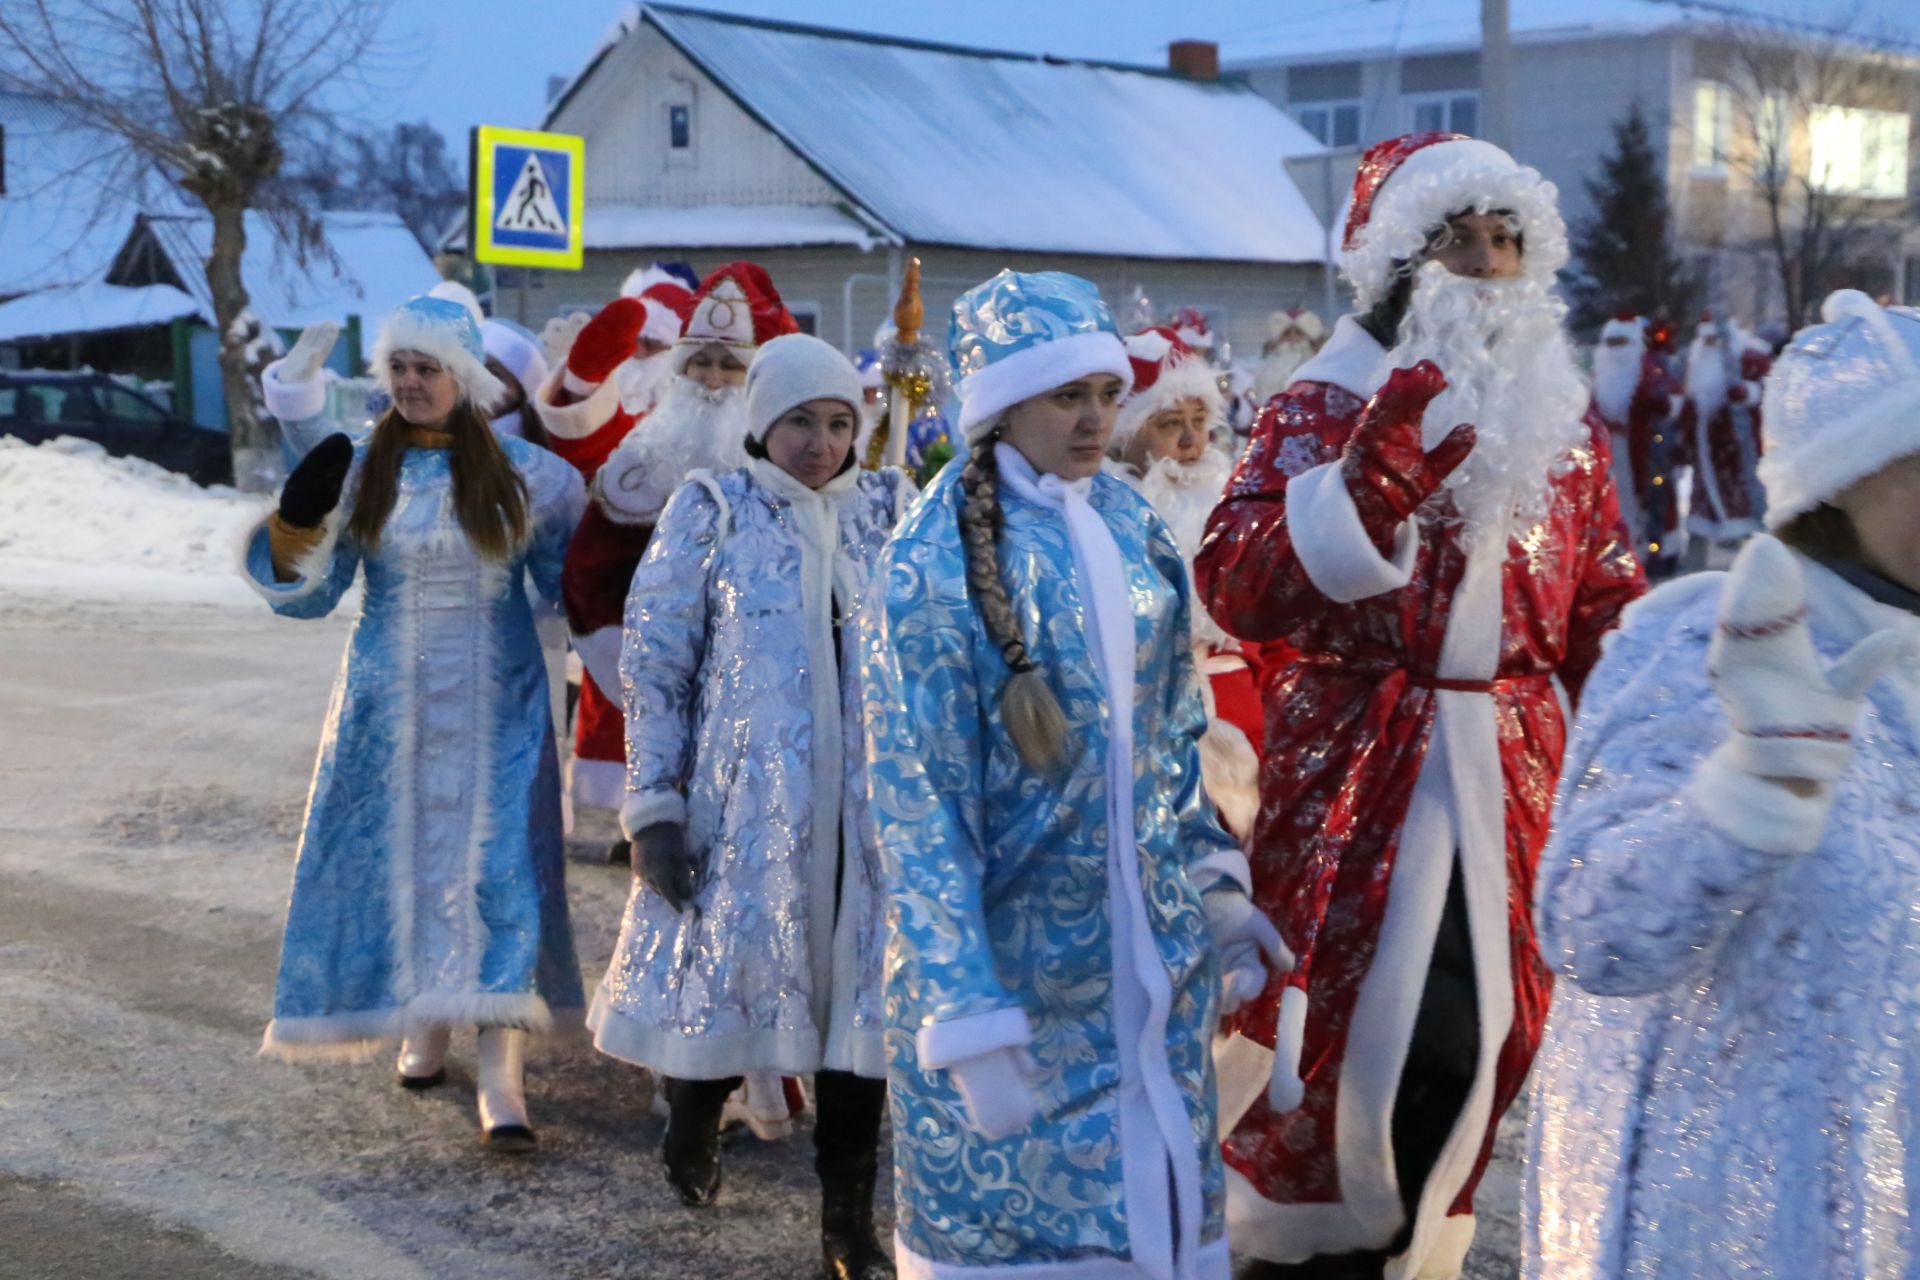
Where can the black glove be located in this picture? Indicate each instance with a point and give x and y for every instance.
(313, 490)
(661, 860)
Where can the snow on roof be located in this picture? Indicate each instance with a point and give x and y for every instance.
(1319, 29)
(627, 226)
(92, 308)
(1011, 151)
(380, 265)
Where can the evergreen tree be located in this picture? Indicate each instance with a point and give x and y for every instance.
(1622, 249)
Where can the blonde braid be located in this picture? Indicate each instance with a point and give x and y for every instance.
(1034, 720)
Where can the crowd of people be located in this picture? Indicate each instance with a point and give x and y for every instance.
(1186, 849)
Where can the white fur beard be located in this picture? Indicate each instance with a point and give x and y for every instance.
(1185, 494)
(1616, 375)
(642, 381)
(693, 428)
(1511, 373)
(1706, 379)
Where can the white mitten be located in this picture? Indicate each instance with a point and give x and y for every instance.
(1792, 715)
(310, 352)
(1249, 946)
(997, 1090)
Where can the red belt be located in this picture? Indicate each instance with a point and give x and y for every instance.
(1419, 679)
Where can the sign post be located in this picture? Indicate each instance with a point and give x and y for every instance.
(528, 199)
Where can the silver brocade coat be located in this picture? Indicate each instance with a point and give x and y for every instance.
(743, 723)
(1730, 1080)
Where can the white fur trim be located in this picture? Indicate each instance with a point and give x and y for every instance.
(596, 784)
(1799, 475)
(1755, 812)
(1447, 178)
(1285, 1089)
(986, 393)
(310, 570)
(1222, 866)
(1190, 378)
(1230, 769)
(941, 1044)
(293, 401)
(1349, 360)
(662, 323)
(642, 809)
(519, 352)
(358, 1036)
(402, 333)
(1209, 1262)
(1333, 546)
(600, 654)
(582, 418)
(787, 1051)
(1297, 1232)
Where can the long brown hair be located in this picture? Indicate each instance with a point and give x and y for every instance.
(489, 496)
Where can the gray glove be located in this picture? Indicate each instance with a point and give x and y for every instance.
(663, 864)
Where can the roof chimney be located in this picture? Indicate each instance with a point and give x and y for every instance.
(1194, 59)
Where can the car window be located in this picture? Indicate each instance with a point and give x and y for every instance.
(124, 406)
(9, 402)
(76, 404)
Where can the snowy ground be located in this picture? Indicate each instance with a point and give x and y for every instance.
(159, 733)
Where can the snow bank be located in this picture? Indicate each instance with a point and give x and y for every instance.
(77, 522)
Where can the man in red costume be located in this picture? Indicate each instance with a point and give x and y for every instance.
(1638, 396)
(1725, 367)
(581, 406)
(1444, 587)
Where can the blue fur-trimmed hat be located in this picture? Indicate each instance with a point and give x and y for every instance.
(449, 332)
(1024, 333)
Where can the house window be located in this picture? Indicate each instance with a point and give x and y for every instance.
(679, 126)
(1712, 126)
(1911, 291)
(1858, 152)
(1334, 124)
(1447, 113)
(1773, 136)
(806, 315)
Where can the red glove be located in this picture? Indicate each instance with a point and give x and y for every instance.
(609, 338)
(1387, 471)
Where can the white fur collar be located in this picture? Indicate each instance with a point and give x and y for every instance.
(1348, 360)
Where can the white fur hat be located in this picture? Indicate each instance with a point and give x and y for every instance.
(791, 370)
(1842, 402)
(517, 349)
(1165, 372)
(446, 330)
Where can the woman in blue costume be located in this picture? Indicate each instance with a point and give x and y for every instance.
(429, 890)
(1062, 906)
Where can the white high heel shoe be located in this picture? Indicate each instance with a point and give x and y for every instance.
(502, 1094)
(423, 1058)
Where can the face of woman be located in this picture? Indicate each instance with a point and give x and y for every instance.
(1064, 432)
(810, 441)
(1885, 511)
(1482, 246)
(1178, 432)
(423, 391)
(715, 366)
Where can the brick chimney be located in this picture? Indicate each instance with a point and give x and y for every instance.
(1194, 59)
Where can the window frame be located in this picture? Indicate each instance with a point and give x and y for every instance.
(1714, 163)
(1449, 102)
(1330, 107)
(1861, 183)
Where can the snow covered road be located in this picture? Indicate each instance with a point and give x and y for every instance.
(153, 763)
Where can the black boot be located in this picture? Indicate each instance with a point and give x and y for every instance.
(620, 854)
(692, 1145)
(848, 1249)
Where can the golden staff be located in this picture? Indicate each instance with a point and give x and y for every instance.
(908, 384)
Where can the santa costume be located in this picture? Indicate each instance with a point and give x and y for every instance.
(1446, 593)
(1293, 336)
(1724, 368)
(1637, 395)
(1726, 1086)
(1167, 375)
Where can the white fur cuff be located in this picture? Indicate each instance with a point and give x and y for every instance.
(582, 418)
(1334, 547)
(1755, 812)
(1225, 866)
(1286, 1090)
(643, 809)
(293, 401)
(941, 1044)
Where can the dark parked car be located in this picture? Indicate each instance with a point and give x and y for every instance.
(37, 405)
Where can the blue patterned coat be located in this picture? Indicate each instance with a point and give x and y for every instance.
(1727, 1087)
(429, 887)
(1000, 904)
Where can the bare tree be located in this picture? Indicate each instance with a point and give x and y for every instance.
(1815, 126)
(208, 93)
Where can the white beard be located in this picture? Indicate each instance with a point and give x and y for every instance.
(690, 429)
(1278, 368)
(1706, 379)
(1185, 494)
(1616, 376)
(1511, 373)
(643, 380)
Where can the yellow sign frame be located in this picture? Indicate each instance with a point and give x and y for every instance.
(487, 139)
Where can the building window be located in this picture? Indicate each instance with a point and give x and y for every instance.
(1911, 290)
(1334, 124)
(1712, 126)
(1773, 138)
(1447, 113)
(1858, 152)
(679, 126)
(806, 315)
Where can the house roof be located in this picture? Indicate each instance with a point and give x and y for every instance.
(60, 219)
(379, 265)
(981, 149)
(91, 308)
(1315, 30)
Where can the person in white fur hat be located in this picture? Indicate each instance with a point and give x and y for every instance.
(1165, 444)
(746, 793)
(1426, 520)
(1725, 1089)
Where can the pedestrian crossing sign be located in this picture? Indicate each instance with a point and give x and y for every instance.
(529, 195)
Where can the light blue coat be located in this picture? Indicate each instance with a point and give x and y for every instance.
(1008, 923)
(429, 887)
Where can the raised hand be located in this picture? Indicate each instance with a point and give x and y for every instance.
(313, 489)
(310, 352)
(608, 339)
(662, 863)
(1792, 715)
(1388, 469)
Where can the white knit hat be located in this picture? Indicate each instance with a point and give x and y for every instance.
(517, 349)
(791, 370)
(1842, 402)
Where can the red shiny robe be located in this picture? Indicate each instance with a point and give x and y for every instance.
(1658, 421)
(1351, 708)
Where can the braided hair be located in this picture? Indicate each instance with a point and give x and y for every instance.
(1034, 720)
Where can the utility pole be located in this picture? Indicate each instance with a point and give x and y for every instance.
(1496, 74)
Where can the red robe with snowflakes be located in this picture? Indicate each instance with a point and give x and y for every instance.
(1420, 713)
(1724, 449)
(600, 562)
